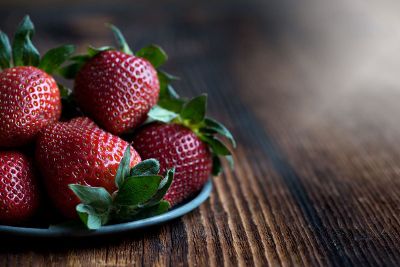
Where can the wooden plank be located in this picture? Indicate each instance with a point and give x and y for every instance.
(338, 143)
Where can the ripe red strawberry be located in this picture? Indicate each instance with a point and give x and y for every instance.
(176, 146)
(29, 100)
(19, 196)
(117, 88)
(78, 152)
(187, 142)
(29, 96)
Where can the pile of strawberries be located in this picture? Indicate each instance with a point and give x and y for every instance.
(120, 146)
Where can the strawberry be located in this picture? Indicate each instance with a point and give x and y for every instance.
(29, 96)
(117, 88)
(19, 196)
(94, 164)
(186, 139)
(29, 100)
(176, 145)
(78, 152)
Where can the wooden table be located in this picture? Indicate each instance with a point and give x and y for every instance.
(311, 90)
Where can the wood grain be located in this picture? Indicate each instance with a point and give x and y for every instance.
(310, 90)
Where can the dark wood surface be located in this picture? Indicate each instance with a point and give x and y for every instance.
(311, 90)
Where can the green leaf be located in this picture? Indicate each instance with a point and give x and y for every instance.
(171, 92)
(80, 58)
(65, 92)
(53, 59)
(167, 180)
(231, 162)
(154, 54)
(165, 79)
(162, 207)
(93, 51)
(5, 51)
(97, 197)
(95, 207)
(169, 99)
(119, 37)
(168, 76)
(125, 213)
(90, 217)
(158, 113)
(207, 131)
(162, 188)
(24, 53)
(140, 194)
(70, 71)
(137, 189)
(171, 104)
(216, 126)
(146, 167)
(123, 168)
(216, 167)
(216, 145)
(195, 110)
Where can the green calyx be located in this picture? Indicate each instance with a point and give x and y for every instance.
(22, 52)
(139, 195)
(152, 53)
(192, 114)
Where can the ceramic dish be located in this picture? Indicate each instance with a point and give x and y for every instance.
(63, 231)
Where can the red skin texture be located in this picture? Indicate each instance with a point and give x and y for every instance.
(176, 146)
(29, 100)
(19, 195)
(78, 152)
(117, 90)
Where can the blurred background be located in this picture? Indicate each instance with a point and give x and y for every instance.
(313, 62)
(310, 88)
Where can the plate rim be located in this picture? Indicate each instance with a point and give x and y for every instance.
(115, 228)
